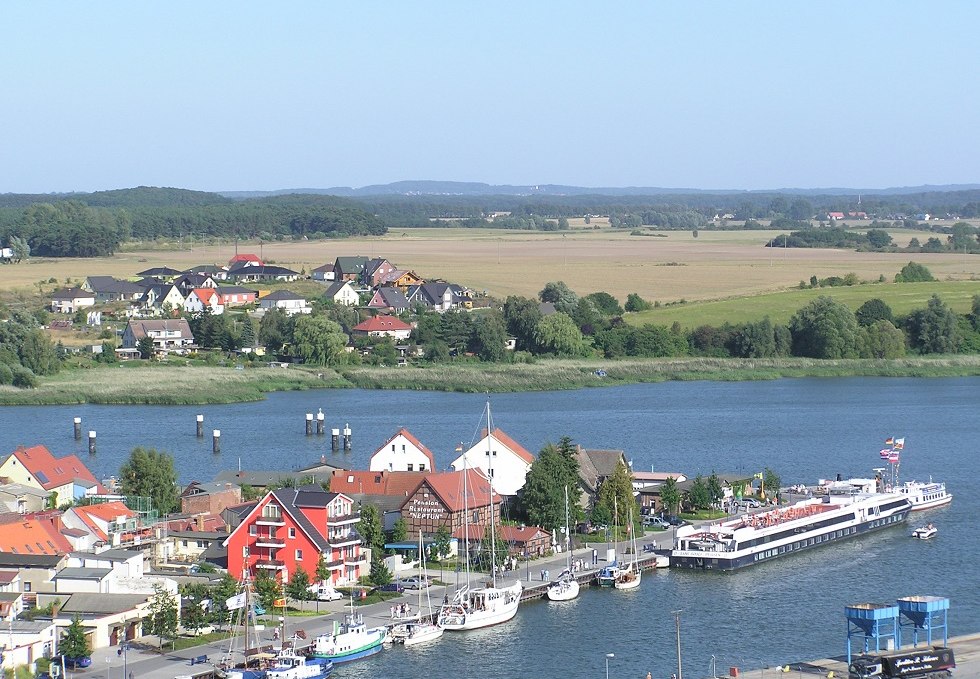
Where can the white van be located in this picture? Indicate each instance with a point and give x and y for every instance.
(327, 593)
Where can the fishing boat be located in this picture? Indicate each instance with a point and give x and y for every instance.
(419, 631)
(245, 658)
(288, 665)
(565, 587)
(476, 607)
(606, 577)
(349, 640)
(757, 538)
(629, 576)
(925, 532)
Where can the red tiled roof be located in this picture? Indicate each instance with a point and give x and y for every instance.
(57, 471)
(448, 486)
(382, 324)
(245, 258)
(32, 536)
(375, 483)
(511, 444)
(205, 294)
(511, 534)
(105, 512)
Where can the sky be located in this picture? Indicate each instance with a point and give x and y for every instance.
(223, 96)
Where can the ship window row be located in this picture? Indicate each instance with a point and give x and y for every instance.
(793, 531)
(802, 544)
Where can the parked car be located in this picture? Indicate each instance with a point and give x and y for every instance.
(77, 663)
(327, 593)
(392, 587)
(415, 582)
(656, 522)
(676, 521)
(749, 503)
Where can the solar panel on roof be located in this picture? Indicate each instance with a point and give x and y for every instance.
(41, 476)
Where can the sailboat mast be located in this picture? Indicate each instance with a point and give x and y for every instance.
(568, 535)
(493, 528)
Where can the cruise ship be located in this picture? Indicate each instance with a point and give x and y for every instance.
(754, 538)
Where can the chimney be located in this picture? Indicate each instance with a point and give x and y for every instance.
(199, 522)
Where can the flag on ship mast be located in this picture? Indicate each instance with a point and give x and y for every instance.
(899, 444)
(885, 453)
(235, 602)
(890, 440)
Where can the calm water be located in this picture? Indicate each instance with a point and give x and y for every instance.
(788, 610)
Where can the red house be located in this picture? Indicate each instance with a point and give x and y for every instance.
(292, 527)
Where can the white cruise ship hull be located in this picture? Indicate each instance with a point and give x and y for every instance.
(751, 540)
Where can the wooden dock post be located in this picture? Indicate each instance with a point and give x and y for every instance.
(335, 440)
(216, 441)
(309, 424)
(319, 422)
(91, 442)
(78, 428)
(200, 426)
(348, 442)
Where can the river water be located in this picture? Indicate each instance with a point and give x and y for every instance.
(779, 612)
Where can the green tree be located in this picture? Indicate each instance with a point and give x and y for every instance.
(441, 542)
(872, 311)
(914, 273)
(399, 530)
(380, 575)
(755, 340)
(224, 589)
(715, 491)
(543, 496)
(318, 340)
(267, 589)
(521, 315)
(670, 495)
(163, 615)
(616, 495)
(150, 473)
(489, 337)
(192, 615)
(370, 528)
(246, 334)
(493, 549)
(771, 481)
(74, 643)
(698, 495)
(21, 248)
(559, 335)
(882, 340)
(825, 328)
(879, 238)
(636, 303)
(322, 573)
(275, 331)
(605, 303)
(145, 346)
(38, 355)
(297, 588)
(935, 329)
(559, 294)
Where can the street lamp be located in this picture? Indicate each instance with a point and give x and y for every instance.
(608, 656)
(123, 648)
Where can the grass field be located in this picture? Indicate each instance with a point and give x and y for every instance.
(780, 306)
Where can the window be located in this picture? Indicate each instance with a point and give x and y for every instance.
(183, 543)
(27, 587)
(292, 533)
(299, 554)
(421, 466)
(411, 467)
(252, 530)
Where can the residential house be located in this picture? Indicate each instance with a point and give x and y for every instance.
(647, 487)
(21, 499)
(108, 523)
(162, 296)
(218, 273)
(65, 479)
(172, 334)
(25, 642)
(201, 299)
(521, 541)
(109, 289)
(192, 545)
(209, 498)
(349, 268)
(323, 273)
(245, 273)
(402, 452)
(36, 571)
(594, 467)
(107, 619)
(235, 295)
(436, 296)
(191, 281)
(11, 595)
(289, 528)
(385, 490)
(164, 273)
(448, 499)
(835, 216)
(342, 292)
(70, 300)
(244, 259)
(401, 279)
(389, 300)
(33, 535)
(383, 326)
(375, 271)
(289, 302)
(500, 458)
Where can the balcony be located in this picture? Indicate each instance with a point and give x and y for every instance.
(270, 542)
(270, 564)
(270, 521)
(343, 518)
(355, 560)
(344, 540)
(335, 565)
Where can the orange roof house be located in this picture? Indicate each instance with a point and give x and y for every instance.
(33, 535)
(108, 522)
(380, 326)
(67, 477)
(402, 452)
(391, 484)
(440, 501)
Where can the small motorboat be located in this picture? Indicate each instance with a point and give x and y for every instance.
(925, 532)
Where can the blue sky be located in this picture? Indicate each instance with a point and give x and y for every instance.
(240, 95)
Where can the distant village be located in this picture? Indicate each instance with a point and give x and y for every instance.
(73, 548)
(156, 301)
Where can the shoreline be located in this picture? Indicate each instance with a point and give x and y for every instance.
(141, 384)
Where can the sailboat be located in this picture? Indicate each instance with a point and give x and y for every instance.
(607, 576)
(476, 607)
(629, 576)
(419, 631)
(566, 586)
(349, 640)
(234, 664)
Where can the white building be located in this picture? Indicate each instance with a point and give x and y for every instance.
(402, 453)
(501, 459)
(289, 302)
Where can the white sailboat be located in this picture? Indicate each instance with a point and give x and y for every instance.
(476, 607)
(419, 631)
(629, 576)
(566, 587)
(244, 642)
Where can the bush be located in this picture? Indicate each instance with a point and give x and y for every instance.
(23, 378)
(914, 273)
